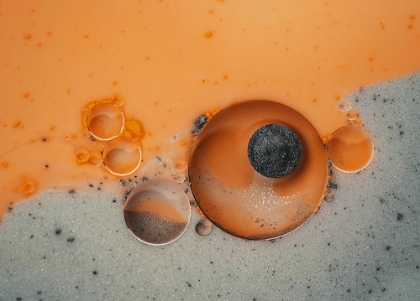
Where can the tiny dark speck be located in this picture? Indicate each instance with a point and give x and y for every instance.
(399, 216)
(72, 191)
(401, 133)
(39, 292)
(95, 273)
(90, 185)
(189, 284)
(388, 248)
(70, 239)
(384, 289)
(58, 231)
(378, 268)
(18, 299)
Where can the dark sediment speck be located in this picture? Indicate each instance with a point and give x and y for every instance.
(332, 185)
(399, 216)
(58, 231)
(199, 124)
(72, 191)
(70, 239)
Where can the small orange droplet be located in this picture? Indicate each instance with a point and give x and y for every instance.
(15, 189)
(26, 95)
(183, 143)
(16, 123)
(28, 187)
(410, 26)
(5, 164)
(412, 17)
(208, 34)
(225, 76)
(27, 36)
(51, 127)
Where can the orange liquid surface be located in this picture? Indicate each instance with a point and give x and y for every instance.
(173, 60)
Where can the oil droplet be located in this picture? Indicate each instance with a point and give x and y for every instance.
(82, 155)
(350, 149)
(117, 100)
(204, 227)
(352, 114)
(28, 187)
(105, 121)
(179, 178)
(95, 158)
(121, 156)
(157, 212)
(181, 165)
(344, 105)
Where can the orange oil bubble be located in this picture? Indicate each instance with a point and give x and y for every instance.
(121, 156)
(350, 149)
(238, 199)
(157, 212)
(105, 121)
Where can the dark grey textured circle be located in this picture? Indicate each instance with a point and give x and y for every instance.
(274, 150)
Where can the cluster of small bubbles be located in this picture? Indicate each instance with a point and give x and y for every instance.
(94, 158)
(204, 227)
(106, 122)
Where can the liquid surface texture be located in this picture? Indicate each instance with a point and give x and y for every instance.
(170, 65)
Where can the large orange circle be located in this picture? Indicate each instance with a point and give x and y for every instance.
(238, 199)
